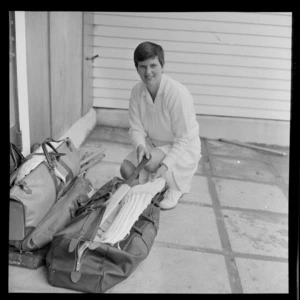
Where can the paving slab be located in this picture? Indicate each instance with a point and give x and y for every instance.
(222, 148)
(111, 134)
(113, 152)
(203, 166)
(259, 276)
(189, 225)
(257, 233)
(241, 169)
(22, 280)
(169, 270)
(251, 195)
(102, 172)
(281, 165)
(199, 192)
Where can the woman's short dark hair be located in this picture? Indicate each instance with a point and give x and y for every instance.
(148, 50)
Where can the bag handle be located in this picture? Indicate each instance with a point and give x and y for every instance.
(67, 140)
(49, 156)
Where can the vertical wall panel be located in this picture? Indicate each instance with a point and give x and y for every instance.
(235, 64)
(65, 69)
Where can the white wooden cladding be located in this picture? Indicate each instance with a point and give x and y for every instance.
(234, 64)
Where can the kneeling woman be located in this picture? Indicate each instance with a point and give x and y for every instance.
(163, 123)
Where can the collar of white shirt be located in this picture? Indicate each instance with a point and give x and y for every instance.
(160, 89)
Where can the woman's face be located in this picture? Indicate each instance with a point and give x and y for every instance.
(150, 71)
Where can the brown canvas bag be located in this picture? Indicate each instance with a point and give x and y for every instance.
(100, 266)
(32, 197)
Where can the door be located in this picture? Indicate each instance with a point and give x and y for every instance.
(54, 70)
(66, 70)
(15, 134)
(38, 70)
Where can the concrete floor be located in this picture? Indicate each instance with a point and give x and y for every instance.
(228, 235)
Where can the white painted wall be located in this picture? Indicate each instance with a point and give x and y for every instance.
(234, 64)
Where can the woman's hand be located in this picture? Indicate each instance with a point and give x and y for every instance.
(141, 152)
(160, 172)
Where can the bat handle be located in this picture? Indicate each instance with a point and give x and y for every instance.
(138, 169)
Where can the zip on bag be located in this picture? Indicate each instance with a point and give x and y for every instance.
(81, 250)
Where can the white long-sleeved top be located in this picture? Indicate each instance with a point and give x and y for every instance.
(168, 121)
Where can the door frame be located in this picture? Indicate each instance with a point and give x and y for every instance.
(14, 126)
(22, 84)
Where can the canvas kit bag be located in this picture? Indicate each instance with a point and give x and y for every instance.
(36, 185)
(79, 261)
(59, 215)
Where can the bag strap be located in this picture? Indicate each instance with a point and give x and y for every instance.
(55, 156)
(92, 205)
(51, 161)
(89, 227)
(67, 140)
(100, 198)
(14, 150)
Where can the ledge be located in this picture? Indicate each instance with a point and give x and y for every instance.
(268, 132)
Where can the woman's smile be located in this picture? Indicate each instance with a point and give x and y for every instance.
(150, 71)
(148, 77)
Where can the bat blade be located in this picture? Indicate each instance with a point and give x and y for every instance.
(114, 201)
